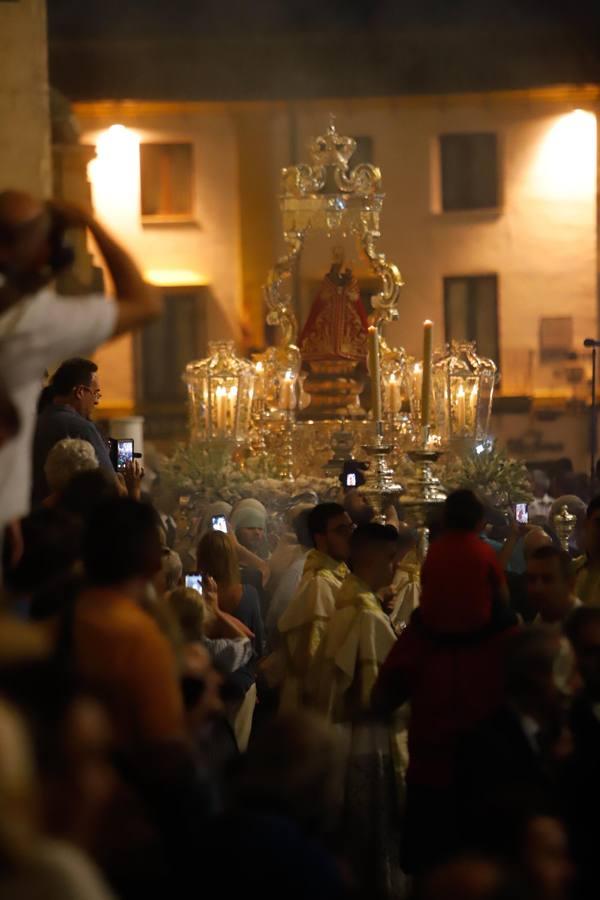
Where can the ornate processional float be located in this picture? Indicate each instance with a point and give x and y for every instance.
(286, 420)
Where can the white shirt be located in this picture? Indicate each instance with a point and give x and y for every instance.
(35, 334)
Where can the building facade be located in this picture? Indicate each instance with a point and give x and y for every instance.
(25, 161)
(490, 213)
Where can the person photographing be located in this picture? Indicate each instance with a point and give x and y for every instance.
(38, 327)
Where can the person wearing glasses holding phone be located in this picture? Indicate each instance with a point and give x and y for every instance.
(70, 400)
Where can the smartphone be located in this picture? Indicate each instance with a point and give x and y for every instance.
(522, 513)
(351, 479)
(219, 523)
(194, 582)
(124, 452)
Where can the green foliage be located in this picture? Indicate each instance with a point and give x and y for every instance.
(499, 479)
(210, 476)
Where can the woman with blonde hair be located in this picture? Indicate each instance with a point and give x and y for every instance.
(202, 621)
(217, 558)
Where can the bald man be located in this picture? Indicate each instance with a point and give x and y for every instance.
(38, 328)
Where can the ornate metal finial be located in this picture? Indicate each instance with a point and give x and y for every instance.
(564, 525)
(333, 150)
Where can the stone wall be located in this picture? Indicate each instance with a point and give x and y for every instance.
(24, 115)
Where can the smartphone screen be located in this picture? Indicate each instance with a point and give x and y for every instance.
(219, 523)
(522, 513)
(351, 479)
(124, 452)
(194, 582)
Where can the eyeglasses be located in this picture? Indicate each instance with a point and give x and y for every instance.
(95, 392)
(343, 530)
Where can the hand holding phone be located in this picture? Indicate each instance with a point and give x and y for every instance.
(522, 513)
(194, 581)
(219, 523)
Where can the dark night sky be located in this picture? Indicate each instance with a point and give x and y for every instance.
(125, 18)
(269, 49)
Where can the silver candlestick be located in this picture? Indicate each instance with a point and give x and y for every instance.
(380, 484)
(424, 491)
(286, 467)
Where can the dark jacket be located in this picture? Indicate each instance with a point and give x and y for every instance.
(503, 775)
(53, 424)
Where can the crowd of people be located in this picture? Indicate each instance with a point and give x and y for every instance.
(307, 713)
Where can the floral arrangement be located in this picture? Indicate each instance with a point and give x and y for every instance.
(204, 478)
(499, 479)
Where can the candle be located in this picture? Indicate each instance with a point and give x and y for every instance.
(231, 405)
(395, 399)
(259, 380)
(221, 404)
(287, 391)
(460, 409)
(426, 381)
(373, 345)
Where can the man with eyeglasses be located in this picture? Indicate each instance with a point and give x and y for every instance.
(69, 401)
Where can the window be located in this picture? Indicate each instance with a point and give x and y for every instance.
(166, 182)
(469, 171)
(471, 312)
(168, 344)
(556, 338)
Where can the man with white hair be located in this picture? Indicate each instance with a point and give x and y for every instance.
(68, 458)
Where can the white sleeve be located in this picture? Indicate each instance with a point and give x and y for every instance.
(231, 654)
(76, 326)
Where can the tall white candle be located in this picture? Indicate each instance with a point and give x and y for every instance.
(231, 404)
(259, 380)
(375, 372)
(426, 381)
(287, 391)
(394, 396)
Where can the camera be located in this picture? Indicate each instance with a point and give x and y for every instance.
(62, 254)
(49, 228)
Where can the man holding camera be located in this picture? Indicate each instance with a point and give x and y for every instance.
(38, 328)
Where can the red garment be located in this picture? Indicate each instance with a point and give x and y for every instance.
(452, 683)
(460, 579)
(336, 327)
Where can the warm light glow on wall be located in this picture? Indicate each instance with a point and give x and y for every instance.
(115, 176)
(566, 161)
(174, 277)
